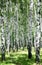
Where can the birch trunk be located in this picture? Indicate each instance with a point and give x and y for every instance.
(16, 26)
(38, 32)
(7, 27)
(30, 28)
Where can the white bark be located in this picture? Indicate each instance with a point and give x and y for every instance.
(30, 21)
(16, 23)
(38, 32)
(2, 33)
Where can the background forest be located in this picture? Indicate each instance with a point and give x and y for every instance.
(20, 28)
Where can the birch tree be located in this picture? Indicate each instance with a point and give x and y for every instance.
(38, 31)
(30, 28)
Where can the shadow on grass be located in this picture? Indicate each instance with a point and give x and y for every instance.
(23, 60)
(20, 59)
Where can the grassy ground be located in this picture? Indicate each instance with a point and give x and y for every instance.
(20, 58)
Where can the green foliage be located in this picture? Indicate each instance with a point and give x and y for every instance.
(15, 1)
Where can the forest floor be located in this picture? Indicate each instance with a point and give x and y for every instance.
(20, 58)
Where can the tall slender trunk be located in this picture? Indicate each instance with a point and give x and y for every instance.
(38, 32)
(7, 27)
(30, 29)
(2, 33)
(16, 25)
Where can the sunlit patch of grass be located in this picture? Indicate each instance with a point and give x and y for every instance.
(41, 51)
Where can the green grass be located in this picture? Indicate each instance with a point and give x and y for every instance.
(20, 58)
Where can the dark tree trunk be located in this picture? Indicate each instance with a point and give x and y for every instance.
(2, 52)
(29, 50)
